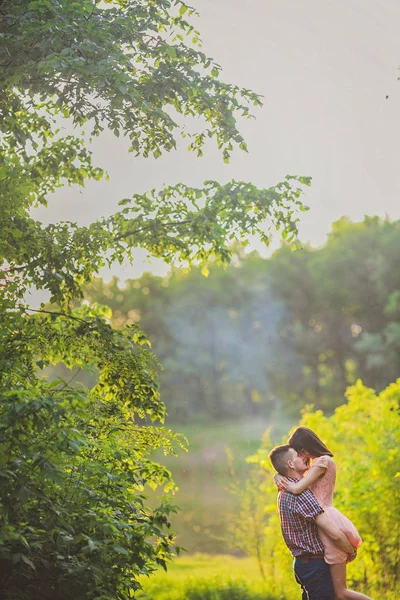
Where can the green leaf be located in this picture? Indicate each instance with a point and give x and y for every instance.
(27, 561)
(120, 550)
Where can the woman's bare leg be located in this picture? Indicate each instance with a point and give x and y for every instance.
(338, 573)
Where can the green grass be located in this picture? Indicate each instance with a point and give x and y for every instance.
(210, 577)
(244, 433)
(223, 577)
(203, 476)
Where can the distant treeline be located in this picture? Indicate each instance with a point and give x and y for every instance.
(290, 330)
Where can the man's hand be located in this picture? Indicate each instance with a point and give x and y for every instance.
(337, 536)
(352, 556)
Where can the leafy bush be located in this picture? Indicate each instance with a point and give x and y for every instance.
(364, 435)
(74, 465)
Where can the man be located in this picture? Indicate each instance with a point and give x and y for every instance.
(300, 515)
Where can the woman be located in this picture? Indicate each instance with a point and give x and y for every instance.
(320, 479)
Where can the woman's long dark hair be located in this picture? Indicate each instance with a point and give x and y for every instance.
(304, 438)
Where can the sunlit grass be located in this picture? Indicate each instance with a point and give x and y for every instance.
(211, 577)
(219, 577)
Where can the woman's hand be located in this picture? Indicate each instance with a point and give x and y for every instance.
(281, 482)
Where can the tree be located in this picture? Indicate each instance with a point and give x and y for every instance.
(125, 66)
(74, 463)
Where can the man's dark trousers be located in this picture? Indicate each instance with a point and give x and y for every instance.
(315, 579)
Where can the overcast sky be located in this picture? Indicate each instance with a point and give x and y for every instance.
(325, 68)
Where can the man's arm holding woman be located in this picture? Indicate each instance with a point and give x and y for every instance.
(337, 536)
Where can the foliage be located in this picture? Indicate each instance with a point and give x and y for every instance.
(75, 463)
(127, 66)
(368, 429)
(247, 530)
(364, 436)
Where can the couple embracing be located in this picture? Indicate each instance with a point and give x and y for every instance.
(321, 539)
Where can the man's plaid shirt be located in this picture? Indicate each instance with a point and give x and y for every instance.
(297, 515)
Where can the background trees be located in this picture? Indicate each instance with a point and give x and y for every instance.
(342, 312)
(293, 329)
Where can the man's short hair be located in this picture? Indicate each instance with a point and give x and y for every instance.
(279, 457)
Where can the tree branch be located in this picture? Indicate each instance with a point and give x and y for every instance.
(57, 314)
(141, 229)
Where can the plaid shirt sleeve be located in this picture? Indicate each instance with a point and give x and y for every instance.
(307, 505)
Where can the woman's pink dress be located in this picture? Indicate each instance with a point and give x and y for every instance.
(323, 489)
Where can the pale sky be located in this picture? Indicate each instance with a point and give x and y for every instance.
(325, 68)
